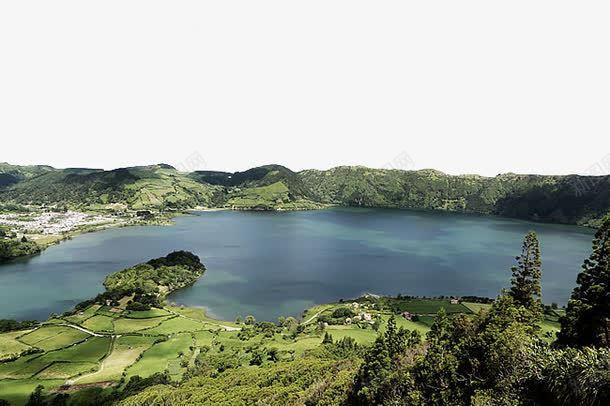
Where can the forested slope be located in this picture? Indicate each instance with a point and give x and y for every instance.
(569, 199)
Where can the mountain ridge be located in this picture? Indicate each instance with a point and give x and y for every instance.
(569, 199)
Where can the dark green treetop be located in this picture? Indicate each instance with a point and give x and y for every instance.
(525, 283)
(587, 319)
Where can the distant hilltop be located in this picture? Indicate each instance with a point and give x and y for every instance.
(568, 199)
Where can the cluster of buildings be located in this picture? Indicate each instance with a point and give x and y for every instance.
(361, 316)
(52, 223)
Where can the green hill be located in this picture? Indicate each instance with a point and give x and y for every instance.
(154, 186)
(12, 174)
(567, 199)
(266, 187)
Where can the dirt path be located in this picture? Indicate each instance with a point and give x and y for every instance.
(102, 363)
(309, 320)
(84, 330)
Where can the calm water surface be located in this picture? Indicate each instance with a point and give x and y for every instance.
(272, 264)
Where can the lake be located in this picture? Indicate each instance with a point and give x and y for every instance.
(270, 264)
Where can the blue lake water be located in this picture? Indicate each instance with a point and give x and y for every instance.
(271, 264)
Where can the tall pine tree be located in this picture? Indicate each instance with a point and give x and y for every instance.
(525, 283)
(587, 319)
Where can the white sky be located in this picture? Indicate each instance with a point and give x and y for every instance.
(461, 86)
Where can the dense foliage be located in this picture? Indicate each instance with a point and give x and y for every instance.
(587, 319)
(157, 277)
(13, 248)
(307, 381)
(13, 325)
(565, 199)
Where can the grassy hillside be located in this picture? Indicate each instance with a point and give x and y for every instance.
(270, 187)
(154, 186)
(563, 199)
(12, 174)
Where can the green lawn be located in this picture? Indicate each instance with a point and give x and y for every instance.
(53, 337)
(66, 370)
(191, 312)
(362, 336)
(125, 352)
(10, 370)
(431, 306)
(476, 307)
(199, 314)
(58, 364)
(79, 317)
(26, 369)
(299, 346)
(549, 330)
(203, 338)
(9, 346)
(131, 325)
(260, 196)
(408, 324)
(99, 323)
(145, 314)
(157, 358)
(426, 320)
(92, 350)
(176, 325)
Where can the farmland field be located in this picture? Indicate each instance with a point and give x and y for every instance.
(9, 345)
(92, 350)
(431, 306)
(125, 352)
(176, 325)
(157, 358)
(99, 323)
(65, 370)
(130, 325)
(476, 307)
(53, 337)
(146, 314)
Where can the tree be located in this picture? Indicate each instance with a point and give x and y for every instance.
(249, 320)
(395, 339)
(328, 339)
(372, 374)
(525, 283)
(273, 354)
(587, 318)
(258, 356)
(36, 398)
(290, 323)
(61, 399)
